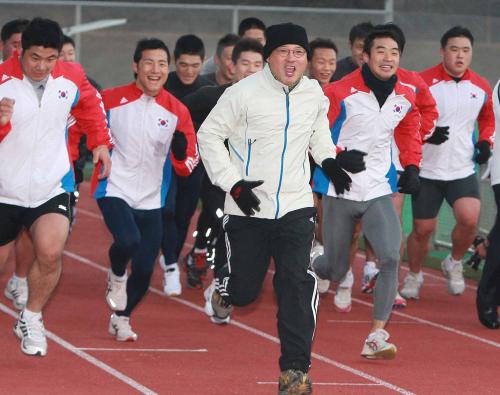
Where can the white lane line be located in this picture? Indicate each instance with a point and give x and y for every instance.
(358, 254)
(257, 332)
(87, 357)
(425, 273)
(143, 349)
(328, 384)
(424, 321)
(370, 322)
(433, 324)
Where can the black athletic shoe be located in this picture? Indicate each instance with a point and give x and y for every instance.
(488, 315)
(194, 278)
(294, 382)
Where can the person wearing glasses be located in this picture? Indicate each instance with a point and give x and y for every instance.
(270, 120)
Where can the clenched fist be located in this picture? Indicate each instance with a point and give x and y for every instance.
(6, 110)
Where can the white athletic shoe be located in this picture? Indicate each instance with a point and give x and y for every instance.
(215, 307)
(343, 296)
(323, 285)
(119, 326)
(17, 291)
(116, 293)
(370, 273)
(377, 347)
(171, 278)
(454, 272)
(32, 335)
(411, 285)
(399, 302)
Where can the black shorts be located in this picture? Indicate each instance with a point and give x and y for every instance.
(13, 218)
(428, 201)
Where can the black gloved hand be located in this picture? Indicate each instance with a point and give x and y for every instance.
(482, 152)
(340, 179)
(179, 145)
(409, 182)
(440, 135)
(352, 160)
(244, 197)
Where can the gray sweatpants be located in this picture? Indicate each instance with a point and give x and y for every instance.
(381, 227)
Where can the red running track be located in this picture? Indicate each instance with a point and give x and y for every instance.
(442, 347)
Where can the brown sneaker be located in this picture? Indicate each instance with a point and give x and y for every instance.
(294, 382)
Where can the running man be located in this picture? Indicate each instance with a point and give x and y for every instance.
(146, 122)
(448, 170)
(270, 120)
(36, 175)
(368, 108)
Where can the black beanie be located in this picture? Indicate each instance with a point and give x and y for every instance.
(283, 34)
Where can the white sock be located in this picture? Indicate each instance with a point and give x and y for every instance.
(19, 279)
(119, 278)
(30, 315)
(450, 258)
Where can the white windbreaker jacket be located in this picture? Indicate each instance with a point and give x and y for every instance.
(269, 131)
(35, 164)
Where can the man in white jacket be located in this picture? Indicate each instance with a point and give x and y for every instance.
(270, 120)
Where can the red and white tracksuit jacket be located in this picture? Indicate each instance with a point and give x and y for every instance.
(358, 122)
(142, 127)
(426, 107)
(35, 163)
(459, 105)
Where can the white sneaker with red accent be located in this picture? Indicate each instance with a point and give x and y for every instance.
(377, 347)
(119, 326)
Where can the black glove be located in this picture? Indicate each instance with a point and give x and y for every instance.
(482, 152)
(351, 160)
(340, 179)
(244, 197)
(179, 145)
(440, 135)
(409, 182)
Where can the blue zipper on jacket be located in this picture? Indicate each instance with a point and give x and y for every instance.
(249, 141)
(283, 154)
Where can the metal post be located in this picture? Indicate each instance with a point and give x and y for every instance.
(78, 21)
(236, 21)
(389, 11)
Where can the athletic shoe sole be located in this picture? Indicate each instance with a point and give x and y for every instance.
(387, 354)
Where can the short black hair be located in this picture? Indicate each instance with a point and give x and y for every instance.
(250, 23)
(189, 44)
(229, 40)
(456, 31)
(68, 40)
(42, 32)
(380, 31)
(321, 43)
(360, 31)
(13, 27)
(149, 43)
(247, 45)
(398, 31)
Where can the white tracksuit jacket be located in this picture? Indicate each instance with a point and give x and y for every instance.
(269, 131)
(35, 164)
(460, 105)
